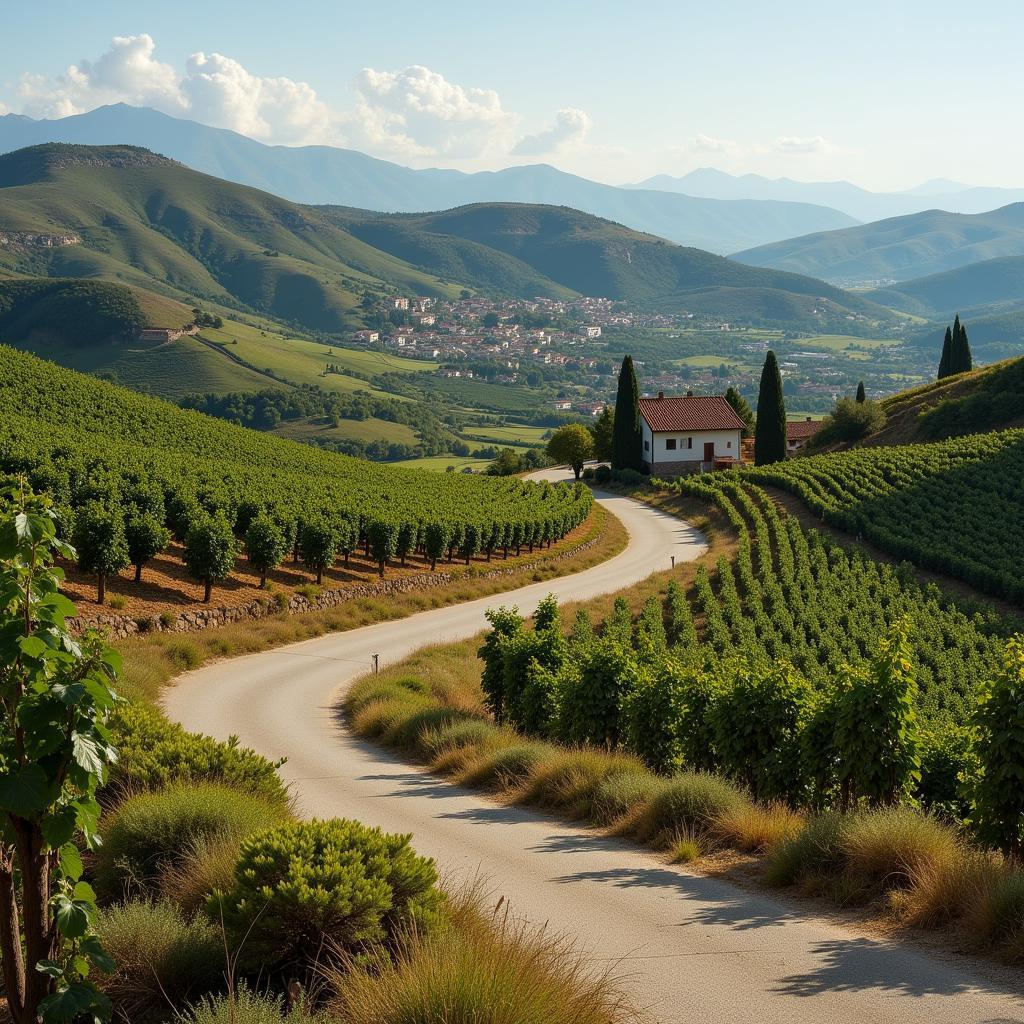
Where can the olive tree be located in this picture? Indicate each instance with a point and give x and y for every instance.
(57, 688)
(571, 445)
(265, 545)
(147, 537)
(210, 550)
(101, 543)
(319, 545)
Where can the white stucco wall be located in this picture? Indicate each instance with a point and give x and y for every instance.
(726, 442)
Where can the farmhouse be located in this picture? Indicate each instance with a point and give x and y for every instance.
(689, 434)
(799, 432)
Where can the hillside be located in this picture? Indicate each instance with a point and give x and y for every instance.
(900, 248)
(119, 212)
(324, 174)
(598, 257)
(989, 283)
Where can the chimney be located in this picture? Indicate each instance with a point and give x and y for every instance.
(689, 394)
(661, 394)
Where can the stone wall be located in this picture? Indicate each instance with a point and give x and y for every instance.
(200, 617)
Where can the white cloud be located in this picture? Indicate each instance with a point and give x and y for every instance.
(794, 145)
(213, 89)
(709, 144)
(417, 113)
(570, 128)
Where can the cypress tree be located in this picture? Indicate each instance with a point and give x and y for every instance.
(861, 393)
(626, 441)
(742, 409)
(947, 355)
(961, 359)
(770, 435)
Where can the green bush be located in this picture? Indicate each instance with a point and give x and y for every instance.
(815, 851)
(463, 732)
(148, 832)
(248, 1007)
(155, 752)
(160, 956)
(509, 766)
(621, 792)
(309, 891)
(691, 802)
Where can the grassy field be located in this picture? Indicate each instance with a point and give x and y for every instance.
(169, 370)
(510, 433)
(303, 362)
(348, 430)
(440, 463)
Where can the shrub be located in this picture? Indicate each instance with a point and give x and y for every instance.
(456, 735)
(570, 779)
(814, 852)
(688, 803)
(479, 971)
(155, 752)
(147, 832)
(509, 766)
(247, 1007)
(850, 421)
(998, 915)
(756, 828)
(206, 865)
(160, 956)
(308, 891)
(623, 793)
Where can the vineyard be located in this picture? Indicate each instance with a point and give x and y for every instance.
(762, 653)
(122, 466)
(954, 506)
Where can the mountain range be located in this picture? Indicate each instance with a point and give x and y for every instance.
(899, 248)
(325, 174)
(126, 214)
(864, 205)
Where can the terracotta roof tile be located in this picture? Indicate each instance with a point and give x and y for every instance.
(689, 412)
(800, 430)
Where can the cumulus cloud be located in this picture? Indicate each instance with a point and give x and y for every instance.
(569, 128)
(418, 113)
(213, 88)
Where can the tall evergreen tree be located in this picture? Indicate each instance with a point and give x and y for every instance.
(861, 393)
(626, 441)
(947, 355)
(960, 353)
(770, 434)
(743, 410)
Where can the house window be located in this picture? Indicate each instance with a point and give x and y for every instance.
(670, 444)
(647, 446)
(689, 442)
(728, 444)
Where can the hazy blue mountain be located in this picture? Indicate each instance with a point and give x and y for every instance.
(900, 248)
(937, 194)
(325, 174)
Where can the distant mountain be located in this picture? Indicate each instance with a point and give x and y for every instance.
(125, 214)
(987, 285)
(598, 257)
(900, 249)
(324, 174)
(937, 194)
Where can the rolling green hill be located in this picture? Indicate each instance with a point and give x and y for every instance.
(591, 256)
(987, 284)
(899, 248)
(122, 213)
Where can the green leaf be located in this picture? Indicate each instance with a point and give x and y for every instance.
(72, 916)
(50, 968)
(77, 999)
(87, 754)
(71, 862)
(94, 950)
(59, 826)
(24, 792)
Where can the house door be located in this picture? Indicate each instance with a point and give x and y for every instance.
(709, 451)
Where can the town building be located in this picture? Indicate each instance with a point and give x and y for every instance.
(799, 432)
(689, 434)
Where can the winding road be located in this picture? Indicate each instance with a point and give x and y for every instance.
(685, 947)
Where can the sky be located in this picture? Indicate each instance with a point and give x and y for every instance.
(883, 94)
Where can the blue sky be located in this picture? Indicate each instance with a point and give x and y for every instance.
(883, 94)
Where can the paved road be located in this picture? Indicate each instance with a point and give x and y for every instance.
(688, 948)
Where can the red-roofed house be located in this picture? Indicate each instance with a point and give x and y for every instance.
(799, 432)
(688, 433)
